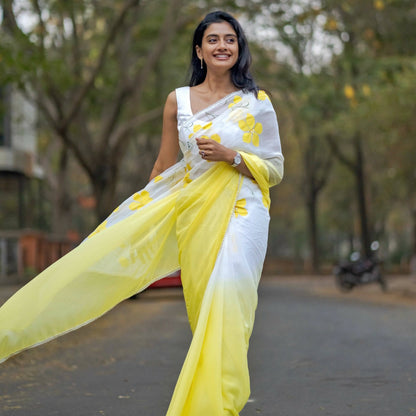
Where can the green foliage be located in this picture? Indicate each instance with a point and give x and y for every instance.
(337, 70)
(365, 89)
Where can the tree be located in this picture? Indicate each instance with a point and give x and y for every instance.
(372, 33)
(308, 96)
(86, 65)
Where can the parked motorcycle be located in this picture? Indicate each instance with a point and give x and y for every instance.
(359, 271)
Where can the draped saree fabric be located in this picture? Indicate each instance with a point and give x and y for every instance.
(198, 216)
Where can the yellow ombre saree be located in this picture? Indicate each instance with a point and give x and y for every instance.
(201, 217)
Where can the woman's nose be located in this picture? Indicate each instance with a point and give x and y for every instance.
(222, 44)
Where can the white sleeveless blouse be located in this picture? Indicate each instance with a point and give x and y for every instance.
(183, 100)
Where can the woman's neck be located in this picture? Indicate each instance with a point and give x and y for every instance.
(218, 84)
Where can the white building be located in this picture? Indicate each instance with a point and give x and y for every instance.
(20, 175)
(18, 138)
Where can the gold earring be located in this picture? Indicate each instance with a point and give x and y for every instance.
(202, 63)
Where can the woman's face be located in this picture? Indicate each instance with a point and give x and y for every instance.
(219, 48)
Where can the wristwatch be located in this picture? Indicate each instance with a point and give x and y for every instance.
(237, 160)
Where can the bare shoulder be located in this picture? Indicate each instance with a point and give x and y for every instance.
(171, 100)
(171, 105)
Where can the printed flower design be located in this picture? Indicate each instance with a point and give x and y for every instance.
(101, 227)
(157, 178)
(198, 127)
(240, 209)
(186, 179)
(263, 96)
(251, 129)
(140, 200)
(236, 100)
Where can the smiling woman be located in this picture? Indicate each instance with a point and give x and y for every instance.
(206, 215)
(219, 45)
(217, 24)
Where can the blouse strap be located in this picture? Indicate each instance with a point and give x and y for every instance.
(183, 101)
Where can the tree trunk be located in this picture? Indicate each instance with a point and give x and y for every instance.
(104, 184)
(414, 232)
(313, 232)
(361, 197)
(317, 165)
(62, 201)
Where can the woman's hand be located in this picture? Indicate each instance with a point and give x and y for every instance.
(211, 150)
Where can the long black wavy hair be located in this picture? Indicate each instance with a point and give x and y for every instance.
(240, 72)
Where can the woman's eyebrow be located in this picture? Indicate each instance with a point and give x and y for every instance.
(215, 35)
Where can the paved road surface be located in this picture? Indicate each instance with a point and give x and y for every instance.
(310, 355)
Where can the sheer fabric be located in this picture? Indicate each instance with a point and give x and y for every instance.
(202, 217)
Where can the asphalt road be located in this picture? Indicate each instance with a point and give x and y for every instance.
(311, 354)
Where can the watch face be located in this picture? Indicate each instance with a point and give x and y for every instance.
(237, 159)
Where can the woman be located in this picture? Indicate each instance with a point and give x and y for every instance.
(206, 214)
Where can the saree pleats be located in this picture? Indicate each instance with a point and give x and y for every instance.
(214, 379)
(204, 211)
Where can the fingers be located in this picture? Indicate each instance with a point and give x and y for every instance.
(205, 153)
(205, 148)
(206, 144)
(210, 149)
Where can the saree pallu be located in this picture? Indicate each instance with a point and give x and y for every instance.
(201, 217)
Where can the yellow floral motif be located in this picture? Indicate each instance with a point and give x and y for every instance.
(240, 209)
(116, 210)
(236, 100)
(263, 96)
(198, 127)
(186, 180)
(251, 129)
(101, 227)
(140, 200)
(157, 178)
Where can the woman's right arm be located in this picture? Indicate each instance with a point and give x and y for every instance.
(169, 146)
